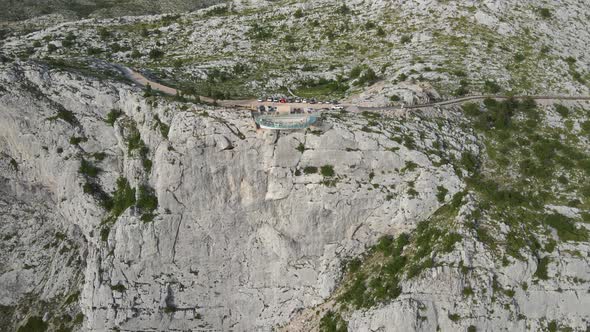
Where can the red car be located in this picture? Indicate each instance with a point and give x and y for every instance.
(283, 100)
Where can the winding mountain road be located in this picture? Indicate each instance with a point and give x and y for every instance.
(140, 79)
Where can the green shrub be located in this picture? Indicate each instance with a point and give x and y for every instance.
(156, 54)
(541, 271)
(123, 197)
(467, 291)
(405, 39)
(94, 51)
(354, 265)
(77, 140)
(72, 298)
(118, 288)
(51, 48)
(472, 328)
(103, 33)
(355, 71)
(327, 170)
(34, 324)
(87, 169)
(259, 32)
(562, 110)
(410, 166)
(112, 116)
(545, 13)
(454, 317)
(441, 193)
(300, 147)
(491, 87)
(344, 9)
(449, 241)
(104, 233)
(469, 162)
(298, 13)
(566, 228)
(333, 322)
(146, 200)
(65, 115)
(135, 54)
(14, 164)
(471, 109)
(310, 170)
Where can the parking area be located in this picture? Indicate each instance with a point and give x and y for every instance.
(294, 105)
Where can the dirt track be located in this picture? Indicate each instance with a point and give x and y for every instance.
(252, 103)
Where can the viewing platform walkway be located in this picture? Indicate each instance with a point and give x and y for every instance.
(286, 122)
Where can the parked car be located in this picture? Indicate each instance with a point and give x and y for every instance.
(313, 101)
(283, 100)
(297, 100)
(305, 101)
(260, 99)
(337, 107)
(275, 99)
(268, 98)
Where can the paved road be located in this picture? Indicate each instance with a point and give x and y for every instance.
(252, 103)
(477, 97)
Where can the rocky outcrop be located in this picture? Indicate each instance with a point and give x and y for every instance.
(249, 227)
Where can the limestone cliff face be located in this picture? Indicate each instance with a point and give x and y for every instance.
(240, 229)
(246, 231)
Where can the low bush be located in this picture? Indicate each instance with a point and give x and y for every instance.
(566, 228)
(74, 140)
(441, 193)
(87, 169)
(123, 197)
(333, 322)
(146, 200)
(541, 271)
(310, 170)
(156, 54)
(327, 170)
(112, 116)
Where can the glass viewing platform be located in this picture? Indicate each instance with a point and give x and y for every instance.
(290, 121)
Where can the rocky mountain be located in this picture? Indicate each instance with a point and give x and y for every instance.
(126, 210)
(77, 9)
